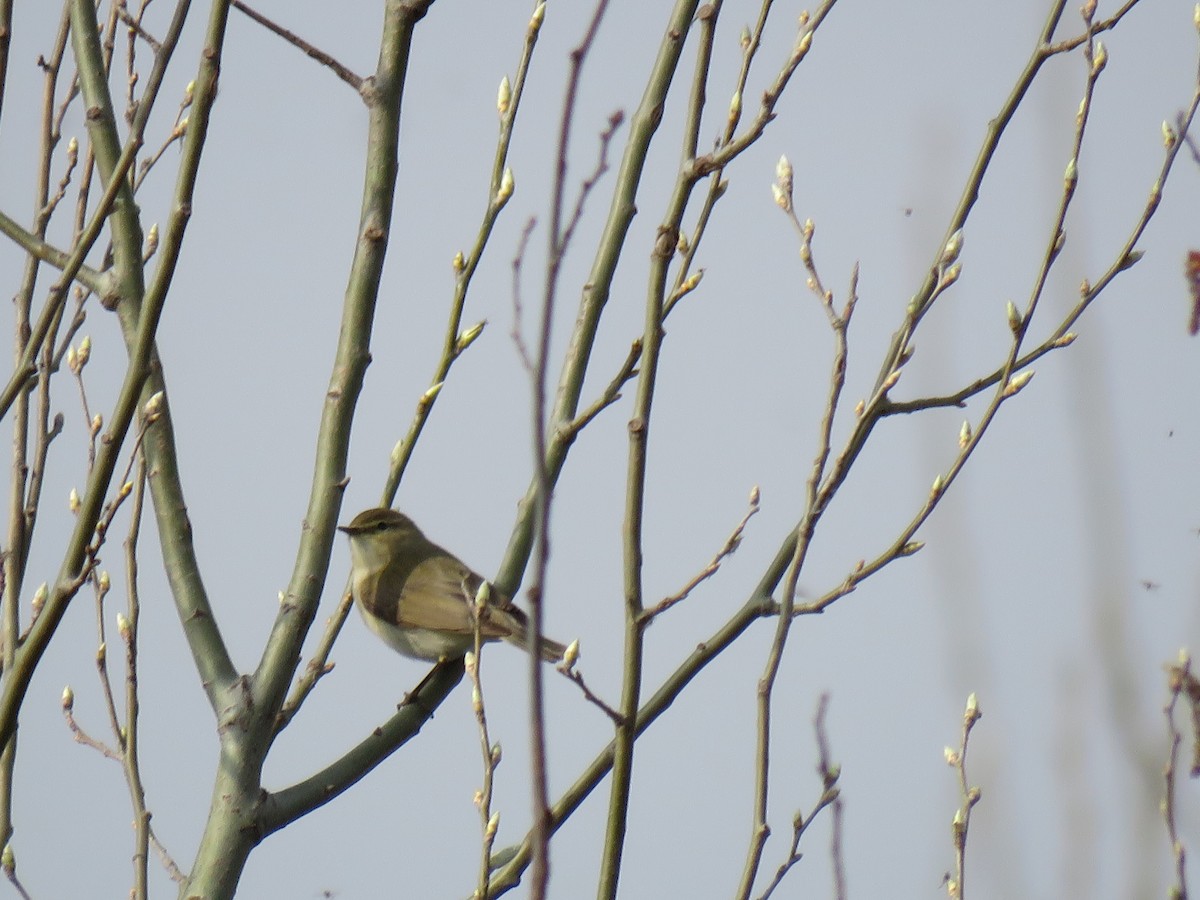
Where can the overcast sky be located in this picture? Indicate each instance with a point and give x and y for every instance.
(1059, 576)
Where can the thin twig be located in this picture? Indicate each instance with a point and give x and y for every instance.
(129, 634)
(458, 339)
(731, 544)
(135, 27)
(830, 795)
(559, 235)
(341, 71)
(574, 675)
(969, 796)
(319, 666)
(1180, 682)
(489, 753)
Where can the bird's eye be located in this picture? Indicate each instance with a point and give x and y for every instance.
(381, 526)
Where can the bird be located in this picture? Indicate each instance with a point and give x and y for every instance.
(421, 599)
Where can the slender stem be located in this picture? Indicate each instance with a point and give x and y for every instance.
(133, 774)
(642, 127)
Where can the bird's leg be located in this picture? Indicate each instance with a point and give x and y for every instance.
(413, 697)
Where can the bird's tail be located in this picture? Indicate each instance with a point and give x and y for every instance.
(550, 650)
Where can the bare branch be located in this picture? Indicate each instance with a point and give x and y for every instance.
(341, 71)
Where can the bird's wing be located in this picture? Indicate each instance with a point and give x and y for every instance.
(439, 594)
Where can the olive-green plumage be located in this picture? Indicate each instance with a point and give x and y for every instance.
(419, 598)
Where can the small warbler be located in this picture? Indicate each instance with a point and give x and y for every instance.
(421, 599)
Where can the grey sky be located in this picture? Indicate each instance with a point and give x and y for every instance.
(1029, 590)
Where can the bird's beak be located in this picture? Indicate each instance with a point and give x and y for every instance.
(345, 529)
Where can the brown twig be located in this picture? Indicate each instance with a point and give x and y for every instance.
(319, 666)
(969, 796)
(572, 674)
(341, 71)
(731, 544)
(1181, 683)
(830, 795)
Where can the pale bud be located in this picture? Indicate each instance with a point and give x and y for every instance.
(189, 93)
(483, 596)
(104, 583)
(1131, 258)
(1017, 382)
(467, 338)
(430, 394)
(952, 249)
(1014, 317)
(39, 598)
(907, 550)
(744, 37)
(735, 106)
(493, 825)
(964, 435)
(469, 662)
(504, 96)
(571, 654)
(101, 653)
(691, 283)
(73, 148)
(1099, 58)
(180, 129)
(950, 276)
(754, 495)
(153, 407)
(938, 484)
(539, 14)
(1169, 136)
(972, 712)
(97, 423)
(476, 699)
(68, 698)
(495, 755)
(784, 174)
(123, 627)
(73, 502)
(85, 351)
(459, 262)
(782, 200)
(1066, 340)
(72, 361)
(1071, 175)
(951, 755)
(802, 46)
(507, 183)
